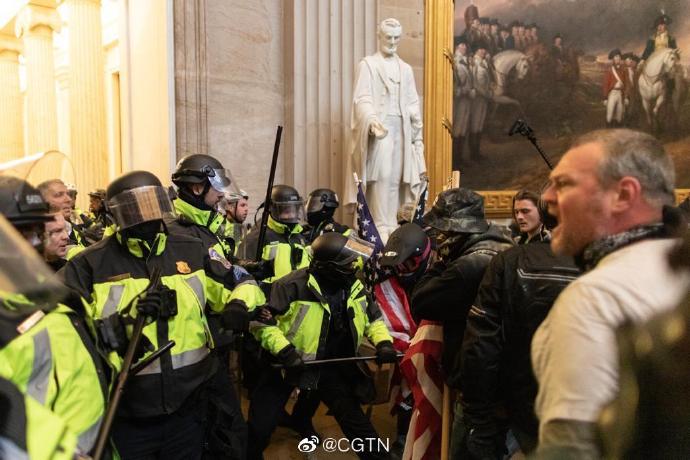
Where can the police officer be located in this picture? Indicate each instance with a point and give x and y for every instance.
(203, 182)
(322, 312)
(321, 205)
(97, 223)
(235, 206)
(27, 428)
(285, 246)
(51, 356)
(161, 413)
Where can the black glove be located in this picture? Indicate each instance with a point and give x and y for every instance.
(289, 357)
(112, 336)
(260, 270)
(385, 353)
(263, 315)
(160, 303)
(235, 317)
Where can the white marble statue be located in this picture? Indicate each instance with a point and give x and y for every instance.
(387, 149)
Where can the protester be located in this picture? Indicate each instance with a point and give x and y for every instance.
(608, 193)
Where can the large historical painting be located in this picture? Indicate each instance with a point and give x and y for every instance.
(565, 67)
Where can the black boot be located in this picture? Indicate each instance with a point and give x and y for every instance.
(474, 147)
(458, 143)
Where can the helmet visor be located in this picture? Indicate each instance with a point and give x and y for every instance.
(317, 203)
(222, 181)
(288, 212)
(355, 248)
(26, 283)
(139, 205)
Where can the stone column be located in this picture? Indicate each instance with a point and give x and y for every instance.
(324, 42)
(11, 126)
(88, 142)
(35, 25)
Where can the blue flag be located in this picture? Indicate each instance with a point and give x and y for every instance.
(421, 204)
(366, 230)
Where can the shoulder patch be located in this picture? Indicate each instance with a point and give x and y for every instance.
(183, 267)
(215, 255)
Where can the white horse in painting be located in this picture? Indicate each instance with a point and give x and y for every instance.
(503, 63)
(653, 81)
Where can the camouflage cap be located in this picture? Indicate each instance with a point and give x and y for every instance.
(458, 210)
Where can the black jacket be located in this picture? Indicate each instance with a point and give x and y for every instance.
(446, 291)
(516, 293)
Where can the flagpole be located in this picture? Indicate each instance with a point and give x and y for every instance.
(445, 423)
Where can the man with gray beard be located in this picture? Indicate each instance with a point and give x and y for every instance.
(608, 193)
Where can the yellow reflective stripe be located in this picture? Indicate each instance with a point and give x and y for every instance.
(307, 356)
(195, 284)
(42, 366)
(184, 359)
(114, 296)
(189, 357)
(297, 321)
(363, 305)
(153, 368)
(87, 439)
(272, 252)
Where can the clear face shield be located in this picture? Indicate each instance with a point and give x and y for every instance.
(222, 181)
(317, 203)
(26, 283)
(355, 248)
(139, 205)
(288, 212)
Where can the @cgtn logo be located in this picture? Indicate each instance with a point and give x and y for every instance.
(308, 444)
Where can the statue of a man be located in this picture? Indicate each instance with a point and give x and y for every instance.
(387, 148)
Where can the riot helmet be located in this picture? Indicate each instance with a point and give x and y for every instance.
(287, 206)
(334, 254)
(21, 203)
(199, 168)
(23, 206)
(97, 200)
(27, 284)
(321, 205)
(407, 251)
(138, 197)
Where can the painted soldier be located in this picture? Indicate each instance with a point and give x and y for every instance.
(482, 80)
(632, 110)
(660, 39)
(463, 94)
(615, 89)
(495, 39)
(505, 40)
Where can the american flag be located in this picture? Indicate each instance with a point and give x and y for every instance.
(421, 204)
(366, 229)
(421, 367)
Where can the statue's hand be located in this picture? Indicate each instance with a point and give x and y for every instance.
(377, 129)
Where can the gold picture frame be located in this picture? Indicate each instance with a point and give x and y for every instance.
(438, 109)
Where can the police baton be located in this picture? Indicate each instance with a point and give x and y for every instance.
(127, 370)
(267, 200)
(351, 359)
